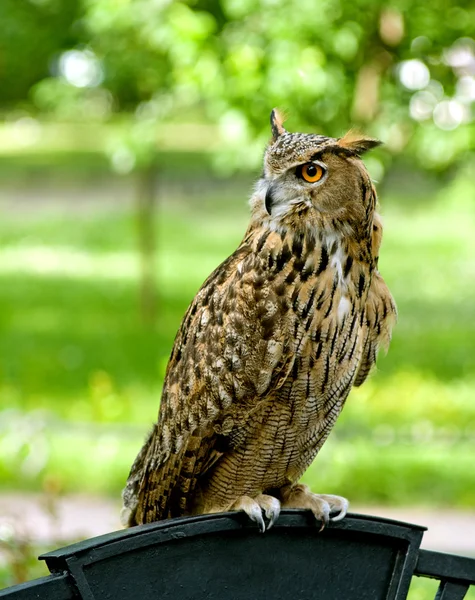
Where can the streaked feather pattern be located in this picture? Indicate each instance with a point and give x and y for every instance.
(270, 347)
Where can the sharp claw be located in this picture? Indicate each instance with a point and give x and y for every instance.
(255, 514)
(272, 519)
(324, 516)
(339, 516)
(256, 508)
(272, 513)
(261, 524)
(342, 512)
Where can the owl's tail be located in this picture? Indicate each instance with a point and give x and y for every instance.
(162, 486)
(146, 496)
(130, 494)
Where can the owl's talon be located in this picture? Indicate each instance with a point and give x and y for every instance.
(342, 509)
(337, 504)
(322, 513)
(272, 520)
(322, 505)
(254, 507)
(254, 512)
(257, 518)
(271, 506)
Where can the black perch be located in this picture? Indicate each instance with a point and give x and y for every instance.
(223, 557)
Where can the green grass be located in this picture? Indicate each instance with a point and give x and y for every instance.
(425, 589)
(80, 375)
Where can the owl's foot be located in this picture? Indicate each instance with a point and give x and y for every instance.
(323, 506)
(254, 507)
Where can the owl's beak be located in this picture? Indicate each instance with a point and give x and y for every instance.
(270, 199)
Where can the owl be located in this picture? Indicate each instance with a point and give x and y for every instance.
(272, 344)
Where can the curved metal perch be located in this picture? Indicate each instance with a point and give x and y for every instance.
(222, 556)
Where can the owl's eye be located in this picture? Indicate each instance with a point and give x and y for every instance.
(311, 172)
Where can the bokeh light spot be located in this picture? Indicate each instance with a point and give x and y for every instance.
(81, 68)
(414, 74)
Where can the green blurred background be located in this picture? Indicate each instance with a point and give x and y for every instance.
(131, 132)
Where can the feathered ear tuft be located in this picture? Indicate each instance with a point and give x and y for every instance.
(358, 143)
(276, 120)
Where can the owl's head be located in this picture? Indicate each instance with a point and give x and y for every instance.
(312, 178)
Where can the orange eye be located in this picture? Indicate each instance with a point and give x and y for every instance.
(312, 172)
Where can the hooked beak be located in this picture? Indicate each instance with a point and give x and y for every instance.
(270, 199)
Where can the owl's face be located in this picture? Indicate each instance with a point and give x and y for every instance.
(310, 177)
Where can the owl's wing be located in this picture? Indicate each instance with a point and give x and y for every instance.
(380, 316)
(232, 349)
(380, 311)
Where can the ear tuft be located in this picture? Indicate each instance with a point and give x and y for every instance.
(358, 143)
(276, 120)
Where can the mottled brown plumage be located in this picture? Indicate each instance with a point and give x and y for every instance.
(272, 343)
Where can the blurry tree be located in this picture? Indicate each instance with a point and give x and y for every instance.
(404, 70)
(32, 33)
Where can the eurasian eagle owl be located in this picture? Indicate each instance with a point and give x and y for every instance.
(272, 343)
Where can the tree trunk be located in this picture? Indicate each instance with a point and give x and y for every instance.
(147, 243)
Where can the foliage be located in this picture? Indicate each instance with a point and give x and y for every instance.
(32, 34)
(404, 71)
(19, 560)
